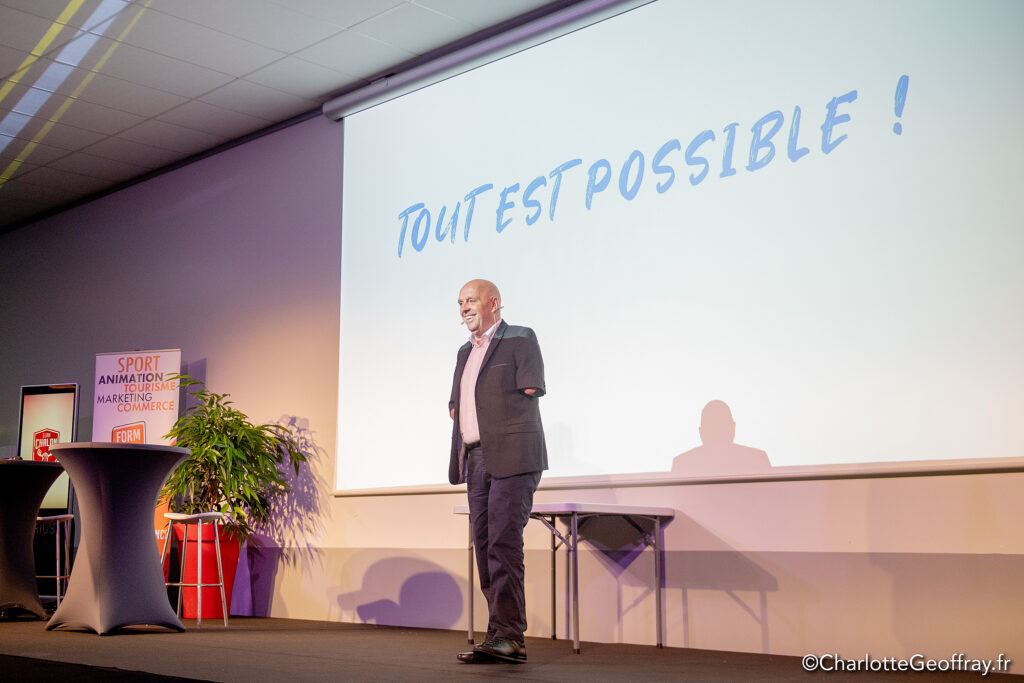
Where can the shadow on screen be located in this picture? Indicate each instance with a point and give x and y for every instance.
(718, 452)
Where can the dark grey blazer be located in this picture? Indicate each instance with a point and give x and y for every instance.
(511, 432)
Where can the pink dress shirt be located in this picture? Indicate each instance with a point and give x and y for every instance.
(467, 389)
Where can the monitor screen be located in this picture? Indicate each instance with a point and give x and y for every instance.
(49, 415)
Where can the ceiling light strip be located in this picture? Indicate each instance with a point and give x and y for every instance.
(56, 117)
(51, 33)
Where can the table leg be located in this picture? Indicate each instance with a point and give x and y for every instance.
(657, 576)
(472, 587)
(574, 535)
(554, 629)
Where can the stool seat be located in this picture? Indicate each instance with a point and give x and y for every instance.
(205, 517)
(199, 518)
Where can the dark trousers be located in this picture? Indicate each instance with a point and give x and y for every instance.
(499, 509)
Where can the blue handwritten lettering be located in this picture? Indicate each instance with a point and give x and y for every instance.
(693, 160)
(415, 220)
(502, 205)
(440, 220)
(794, 132)
(593, 184)
(760, 141)
(529, 202)
(419, 236)
(730, 141)
(471, 198)
(451, 226)
(831, 121)
(404, 217)
(626, 190)
(659, 169)
(557, 176)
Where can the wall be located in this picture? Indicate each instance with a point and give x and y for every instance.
(235, 259)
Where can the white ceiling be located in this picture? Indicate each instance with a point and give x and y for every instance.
(98, 93)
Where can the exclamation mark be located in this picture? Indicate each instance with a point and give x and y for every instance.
(901, 101)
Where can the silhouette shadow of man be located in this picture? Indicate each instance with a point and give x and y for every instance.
(718, 452)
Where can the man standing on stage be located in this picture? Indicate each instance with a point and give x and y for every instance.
(498, 449)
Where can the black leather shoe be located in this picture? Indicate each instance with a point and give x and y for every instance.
(475, 657)
(505, 649)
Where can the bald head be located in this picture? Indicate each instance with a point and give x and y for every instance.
(484, 288)
(479, 306)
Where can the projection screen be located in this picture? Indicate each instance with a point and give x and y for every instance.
(810, 211)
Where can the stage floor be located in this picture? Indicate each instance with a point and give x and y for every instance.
(251, 650)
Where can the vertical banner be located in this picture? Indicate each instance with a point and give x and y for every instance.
(137, 402)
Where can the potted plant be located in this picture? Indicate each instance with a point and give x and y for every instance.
(236, 469)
